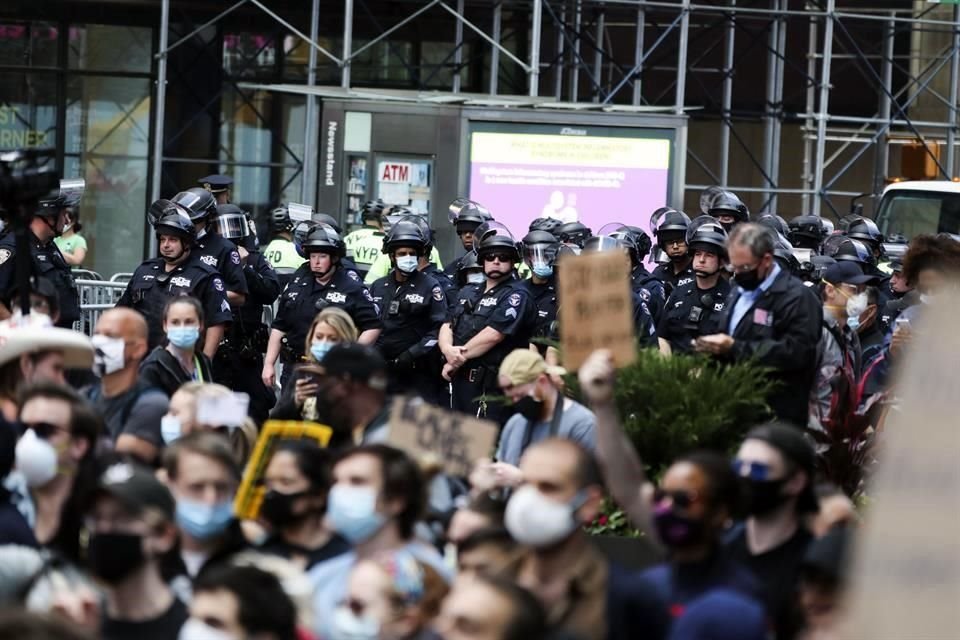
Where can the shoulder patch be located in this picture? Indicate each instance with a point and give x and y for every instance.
(514, 300)
(234, 257)
(218, 284)
(5, 255)
(353, 275)
(438, 294)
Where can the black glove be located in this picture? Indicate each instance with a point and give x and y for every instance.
(403, 361)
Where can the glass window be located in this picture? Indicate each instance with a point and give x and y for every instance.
(296, 60)
(100, 47)
(28, 110)
(437, 64)
(385, 62)
(31, 44)
(248, 55)
(108, 115)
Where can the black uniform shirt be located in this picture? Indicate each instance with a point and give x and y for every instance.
(691, 312)
(544, 298)
(412, 313)
(665, 274)
(505, 308)
(221, 254)
(48, 263)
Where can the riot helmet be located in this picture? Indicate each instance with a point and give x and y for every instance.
(470, 270)
(847, 249)
(494, 243)
(807, 232)
(199, 203)
(176, 222)
(231, 222)
(641, 239)
(67, 196)
(466, 215)
(405, 233)
(323, 238)
(706, 234)
(540, 250)
(550, 225)
(784, 255)
(575, 233)
(775, 222)
(667, 221)
(720, 203)
(327, 219)
(280, 221)
(372, 209)
(865, 230)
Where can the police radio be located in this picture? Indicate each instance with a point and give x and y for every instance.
(696, 313)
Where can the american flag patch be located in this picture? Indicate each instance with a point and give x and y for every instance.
(763, 317)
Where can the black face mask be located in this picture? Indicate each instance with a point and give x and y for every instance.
(679, 259)
(277, 508)
(763, 496)
(748, 280)
(676, 531)
(529, 407)
(115, 556)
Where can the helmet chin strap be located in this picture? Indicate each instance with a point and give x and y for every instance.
(52, 225)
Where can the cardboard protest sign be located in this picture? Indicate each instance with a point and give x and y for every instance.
(596, 308)
(457, 440)
(905, 578)
(246, 504)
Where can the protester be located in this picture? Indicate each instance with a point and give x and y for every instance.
(131, 526)
(72, 245)
(184, 418)
(721, 614)
(131, 411)
(24, 625)
(297, 480)
(482, 512)
(485, 607)
(239, 602)
(168, 367)
(491, 551)
(352, 393)
(14, 528)
(823, 580)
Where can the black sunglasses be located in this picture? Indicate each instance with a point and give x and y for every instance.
(682, 499)
(43, 429)
(502, 257)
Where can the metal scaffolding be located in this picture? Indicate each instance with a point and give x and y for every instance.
(739, 69)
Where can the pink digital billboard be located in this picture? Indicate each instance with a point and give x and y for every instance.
(596, 175)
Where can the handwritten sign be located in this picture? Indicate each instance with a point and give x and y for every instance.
(246, 504)
(906, 572)
(596, 308)
(456, 439)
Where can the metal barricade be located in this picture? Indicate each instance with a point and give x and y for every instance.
(96, 296)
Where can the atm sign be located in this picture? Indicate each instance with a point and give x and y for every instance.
(395, 172)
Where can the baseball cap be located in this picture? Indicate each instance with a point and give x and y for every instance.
(358, 362)
(522, 366)
(137, 488)
(846, 272)
(795, 447)
(721, 614)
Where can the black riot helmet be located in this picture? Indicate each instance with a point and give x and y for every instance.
(175, 221)
(280, 221)
(784, 255)
(865, 230)
(669, 222)
(66, 196)
(199, 203)
(575, 233)
(641, 239)
(405, 233)
(160, 208)
(622, 235)
(774, 222)
(540, 247)
(597, 244)
(323, 238)
(550, 225)
(466, 215)
(231, 222)
(848, 249)
(469, 263)
(717, 202)
(372, 209)
(327, 219)
(706, 234)
(807, 232)
(493, 237)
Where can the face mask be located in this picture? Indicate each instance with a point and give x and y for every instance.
(115, 556)
(926, 298)
(66, 228)
(201, 521)
(277, 508)
(748, 280)
(763, 496)
(677, 531)
(108, 355)
(542, 270)
(407, 264)
(319, 349)
(476, 278)
(183, 337)
(36, 459)
(678, 258)
(537, 521)
(194, 629)
(170, 428)
(346, 625)
(529, 407)
(857, 304)
(353, 512)
(853, 322)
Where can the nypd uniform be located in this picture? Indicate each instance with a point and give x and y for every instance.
(644, 327)
(304, 298)
(216, 251)
(507, 309)
(48, 263)
(651, 289)
(412, 313)
(282, 254)
(448, 285)
(364, 246)
(544, 300)
(152, 286)
(671, 280)
(692, 312)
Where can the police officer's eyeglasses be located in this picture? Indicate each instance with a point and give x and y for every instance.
(682, 499)
(502, 257)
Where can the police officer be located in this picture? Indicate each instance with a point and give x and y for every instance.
(219, 186)
(670, 226)
(412, 309)
(318, 283)
(649, 287)
(239, 360)
(47, 223)
(177, 272)
(901, 295)
(540, 250)
(550, 225)
(694, 309)
(426, 262)
(725, 206)
(281, 252)
(866, 231)
(465, 216)
(807, 232)
(573, 234)
(211, 249)
(382, 265)
(643, 325)
(364, 244)
(471, 272)
(490, 320)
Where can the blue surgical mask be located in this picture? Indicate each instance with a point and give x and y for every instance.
(853, 322)
(476, 278)
(407, 264)
(202, 521)
(352, 512)
(542, 270)
(170, 428)
(319, 349)
(183, 337)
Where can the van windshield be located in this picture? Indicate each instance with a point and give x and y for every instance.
(911, 212)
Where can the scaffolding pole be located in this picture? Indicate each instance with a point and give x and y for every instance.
(535, 27)
(458, 48)
(598, 54)
(823, 115)
(561, 42)
(156, 176)
(575, 51)
(954, 96)
(727, 98)
(308, 192)
(495, 52)
(638, 57)
(882, 149)
(347, 43)
(680, 95)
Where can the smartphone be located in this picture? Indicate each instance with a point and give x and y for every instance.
(902, 322)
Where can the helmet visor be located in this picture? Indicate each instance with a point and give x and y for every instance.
(231, 225)
(540, 254)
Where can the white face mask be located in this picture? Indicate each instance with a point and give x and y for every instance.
(194, 629)
(537, 521)
(407, 264)
(36, 459)
(108, 354)
(170, 428)
(476, 278)
(345, 625)
(857, 304)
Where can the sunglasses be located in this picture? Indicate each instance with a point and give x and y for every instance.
(681, 499)
(43, 429)
(502, 257)
(751, 470)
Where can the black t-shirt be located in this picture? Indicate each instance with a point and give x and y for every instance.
(165, 627)
(778, 570)
(276, 546)
(136, 412)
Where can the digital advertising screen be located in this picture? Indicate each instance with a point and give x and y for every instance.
(596, 175)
